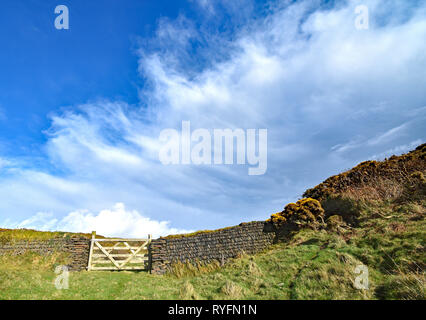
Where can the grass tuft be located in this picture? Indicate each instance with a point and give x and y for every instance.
(187, 292)
(231, 290)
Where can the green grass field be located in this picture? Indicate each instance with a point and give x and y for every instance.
(312, 265)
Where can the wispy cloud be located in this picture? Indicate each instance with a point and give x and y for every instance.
(388, 135)
(398, 150)
(379, 139)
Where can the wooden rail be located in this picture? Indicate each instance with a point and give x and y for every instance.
(118, 254)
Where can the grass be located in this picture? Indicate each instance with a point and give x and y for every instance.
(8, 235)
(313, 265)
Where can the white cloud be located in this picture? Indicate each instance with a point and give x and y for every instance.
(4, 163)
(40, 221)
(115, 222)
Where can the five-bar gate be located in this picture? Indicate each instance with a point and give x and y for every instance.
(119, 254)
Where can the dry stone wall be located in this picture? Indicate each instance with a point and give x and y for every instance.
(219, 245)
(77, 247)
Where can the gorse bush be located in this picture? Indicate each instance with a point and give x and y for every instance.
(375, 180)
(304, 211)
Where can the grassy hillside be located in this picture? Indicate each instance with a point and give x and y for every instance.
(372, 215)
(313, 265)
(9, 235)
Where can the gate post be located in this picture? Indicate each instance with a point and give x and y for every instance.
(89, 266)
(149, 253)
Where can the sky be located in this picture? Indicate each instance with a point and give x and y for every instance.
(81, 109)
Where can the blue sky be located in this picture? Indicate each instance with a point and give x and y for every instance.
(81, 109)
(44, 69)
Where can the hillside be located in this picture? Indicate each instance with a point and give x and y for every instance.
(396, 178)
(7, 235)
(371, 215)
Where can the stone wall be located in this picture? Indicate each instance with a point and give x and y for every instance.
(77, 247)
(219, 245)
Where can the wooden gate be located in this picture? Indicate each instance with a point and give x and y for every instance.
(119, 254)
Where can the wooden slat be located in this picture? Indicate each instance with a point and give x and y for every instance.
(106, 260)
(139, 260)
(131, 262)
(115, 269)
(104, 268)
(133, 248)
(121, 240)
(118, 255)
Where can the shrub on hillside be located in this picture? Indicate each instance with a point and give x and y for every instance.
(374, 180)
(415, 187)
(306, 211)
(345, 207)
